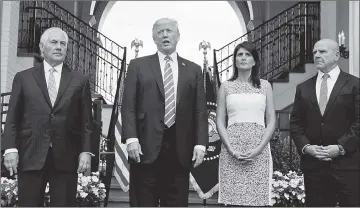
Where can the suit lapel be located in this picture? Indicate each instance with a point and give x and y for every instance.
(181, 79)
(155, 66)
(312, 90)
(65, 79)
(339, 84)
(39, 76)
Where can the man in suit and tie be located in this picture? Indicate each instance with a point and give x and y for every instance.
(48, 128)
(164, 121)
(325, 128)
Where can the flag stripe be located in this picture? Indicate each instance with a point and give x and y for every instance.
(121, 154)
(122, 166)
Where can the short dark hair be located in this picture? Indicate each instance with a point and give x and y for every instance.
(254, 77)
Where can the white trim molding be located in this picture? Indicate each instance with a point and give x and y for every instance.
(354, 38)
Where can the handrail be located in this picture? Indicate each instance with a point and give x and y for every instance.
(67, 25)
(80, 20)
(87, 51)
(267, 21)
(282, 41)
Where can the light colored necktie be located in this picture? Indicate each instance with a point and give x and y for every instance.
(323, 93)
(169, 94)
(52, 86)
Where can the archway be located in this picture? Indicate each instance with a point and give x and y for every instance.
(218, 27)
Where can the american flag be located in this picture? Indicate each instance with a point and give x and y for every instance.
(121, 171)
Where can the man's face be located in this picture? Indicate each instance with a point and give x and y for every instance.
(166, 36)
(54, 48)
(325, 55)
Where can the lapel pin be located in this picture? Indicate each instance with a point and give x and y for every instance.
(183, 64)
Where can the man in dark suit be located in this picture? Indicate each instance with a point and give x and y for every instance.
(48, 126)
(325, 128)
(164, 121)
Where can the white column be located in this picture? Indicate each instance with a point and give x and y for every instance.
(9, 41)
(328, 19)
(354, 38)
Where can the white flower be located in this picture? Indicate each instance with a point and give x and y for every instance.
(287, 178)
(83, 194)
(273, 201)
(293, 193)
(284, 184)
(294, 183)
(95, 179)
(96, 191)
(276, 184)
(303, 200)
(302, 187)
(101, 185)
(7, 189)
(299, 197)
(278, 173)
(286, 196)
(84, 183)
(79, 187)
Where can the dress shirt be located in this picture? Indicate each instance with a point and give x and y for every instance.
(175, 72)
(333, 76)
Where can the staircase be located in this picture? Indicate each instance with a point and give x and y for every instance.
(119, 198)
(89, 51)
(284, 44)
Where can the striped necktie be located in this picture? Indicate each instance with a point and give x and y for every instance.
(169, 94)
(52, 86)
(323, 93)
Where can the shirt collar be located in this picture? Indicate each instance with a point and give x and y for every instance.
(58, 68)
(173, 56)
(333, 74)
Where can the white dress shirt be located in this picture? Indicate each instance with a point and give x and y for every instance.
(57, 74)
(333, 76)
(175, 72)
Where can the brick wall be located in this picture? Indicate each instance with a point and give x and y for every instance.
(10, 62)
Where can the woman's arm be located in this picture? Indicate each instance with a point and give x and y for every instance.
(220, 119)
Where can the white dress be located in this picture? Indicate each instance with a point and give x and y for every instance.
(245, 183)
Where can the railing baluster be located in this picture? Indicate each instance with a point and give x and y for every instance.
(280, 41)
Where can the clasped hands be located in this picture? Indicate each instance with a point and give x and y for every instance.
(11, 161)
(324, 153)
(248, 156)
(134, 152)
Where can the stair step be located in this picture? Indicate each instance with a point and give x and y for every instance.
(118, 197)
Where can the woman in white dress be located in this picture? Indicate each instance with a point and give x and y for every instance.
(245, 166)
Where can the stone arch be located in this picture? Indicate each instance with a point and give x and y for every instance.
(241, 9)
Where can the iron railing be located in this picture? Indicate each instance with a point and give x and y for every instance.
(89, 51)
(282, 42)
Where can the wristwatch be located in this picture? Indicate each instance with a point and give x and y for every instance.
(341, 150)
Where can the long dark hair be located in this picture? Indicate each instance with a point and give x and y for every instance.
(254, 77)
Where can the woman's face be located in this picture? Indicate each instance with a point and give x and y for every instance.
(244, 60)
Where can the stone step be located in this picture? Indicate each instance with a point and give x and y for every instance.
(118, 197)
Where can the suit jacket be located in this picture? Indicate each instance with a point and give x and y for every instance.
(32, 123)
(338, 125)
(143, 108)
